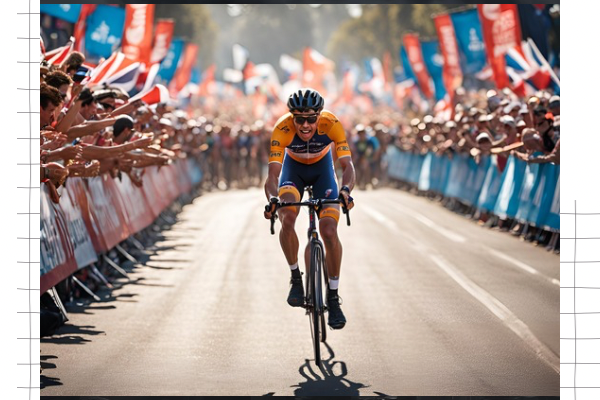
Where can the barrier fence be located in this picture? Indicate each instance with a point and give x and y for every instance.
(529, 193)
(96, 214)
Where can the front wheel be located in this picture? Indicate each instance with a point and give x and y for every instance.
(316, 309)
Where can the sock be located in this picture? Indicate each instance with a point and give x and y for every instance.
(295, 270)
(334, 283)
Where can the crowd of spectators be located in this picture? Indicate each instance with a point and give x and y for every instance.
(485, 122)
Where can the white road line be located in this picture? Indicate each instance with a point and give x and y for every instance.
(455, 237)
(523, 266)
(379, 217)
(501, 311)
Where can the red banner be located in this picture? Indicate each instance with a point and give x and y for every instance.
(501, 32)
(57, 254)
(137, 34)
(452, 73)
(162, 40)
(136, 204)
(184, 71)
(80, 194)
(80, 26)
(417, 63)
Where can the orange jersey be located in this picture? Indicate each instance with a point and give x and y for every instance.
(330, 133)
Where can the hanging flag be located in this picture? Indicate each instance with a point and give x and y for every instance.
(415, 58)
(408, 72)
(452, 74)
(536, 24)
(104, 30)
(469, 38)
(240, 56)
(81, 24)
(208, 80)
(501, 32)
(375, 83)
(162, 40)
(184, 70)
(315, 68)
(168, 66)
(290, 66)
(157, 94)
(434, 61)
(60, 54)
(66, 12)
(137, 36)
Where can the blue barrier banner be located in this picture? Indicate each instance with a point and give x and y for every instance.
(490, 186)
(458, 175)
(553, 218)
(67, 12)
(425, 173)
(531, 181)
(469, 37)
(512, 180)
(544, 195)
(104, 30)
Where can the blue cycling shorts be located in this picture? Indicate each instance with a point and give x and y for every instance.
(321, 175)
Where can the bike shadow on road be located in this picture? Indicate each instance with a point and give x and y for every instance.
(330, 379)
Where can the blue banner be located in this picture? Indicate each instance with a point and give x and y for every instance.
(67, 12)
(536, 24)
(408, 72)
(470, 40)
(531, 181)
(490, 187)
(434, 61)
(512, 181)
(104, 31)
(544, 195)
(553, 218)
(168, 66)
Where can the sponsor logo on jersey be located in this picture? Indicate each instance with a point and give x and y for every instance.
(275, 143)
(276, 154)
(284, 128)
(343, 148)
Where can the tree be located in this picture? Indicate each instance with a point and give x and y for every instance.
(193, 22)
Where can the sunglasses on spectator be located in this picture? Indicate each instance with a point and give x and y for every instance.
(311, 119)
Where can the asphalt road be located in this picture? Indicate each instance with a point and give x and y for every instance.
(436, 305)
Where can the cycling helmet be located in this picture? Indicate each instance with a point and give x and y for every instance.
(305, 99)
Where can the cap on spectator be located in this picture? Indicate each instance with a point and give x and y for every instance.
(554, 101)
(166, 122)
(491, 93)
(450, 124)
(557, 121)
(485, 118)
(504, 102)
(521, 124)
(483, 136)
(533, 100)
(524, 110)
(122, 122)
(508, 120)
(428, 119)
(511, 106)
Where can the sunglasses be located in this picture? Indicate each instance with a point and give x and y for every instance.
(310, 119)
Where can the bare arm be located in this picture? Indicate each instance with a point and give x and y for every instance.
(89, 127)
(272, 183)
(348, 173)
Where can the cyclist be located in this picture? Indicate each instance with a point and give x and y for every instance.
(301, 155)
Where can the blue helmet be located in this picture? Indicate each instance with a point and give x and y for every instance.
(305, 99)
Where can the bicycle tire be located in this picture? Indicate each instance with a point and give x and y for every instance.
(317, 301)
(323, 268)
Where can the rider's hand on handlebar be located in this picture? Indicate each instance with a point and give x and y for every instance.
(348, 200)
(271, 207)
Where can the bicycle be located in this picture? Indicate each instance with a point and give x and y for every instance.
(315, 308)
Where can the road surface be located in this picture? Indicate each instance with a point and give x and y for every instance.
(436, 305)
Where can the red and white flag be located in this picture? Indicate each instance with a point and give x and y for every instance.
(158, 94)
(117, 70)
(60, 54)
(184, 70)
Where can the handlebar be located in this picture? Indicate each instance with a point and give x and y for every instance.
(317, 203)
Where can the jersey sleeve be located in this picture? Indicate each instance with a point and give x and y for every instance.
(280, 138)
(337, 135)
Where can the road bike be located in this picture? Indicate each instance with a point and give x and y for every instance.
(317, 273)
